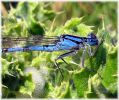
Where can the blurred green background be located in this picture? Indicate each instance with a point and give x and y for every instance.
(34, 75)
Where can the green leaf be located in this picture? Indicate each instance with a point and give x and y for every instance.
(61, 91)
(74, 25)
(23, 10)
(49, 14)
(109, 73)
(99, 59)
(36, 62)
(28, 87)
(97, 89)
(84, 30)
(81, 81)
(73, 22)
(35, 28)
(65, 90)
(5, 67)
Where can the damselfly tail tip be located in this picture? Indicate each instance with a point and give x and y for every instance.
(4, 50)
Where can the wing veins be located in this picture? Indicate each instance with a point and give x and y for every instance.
(11, 41)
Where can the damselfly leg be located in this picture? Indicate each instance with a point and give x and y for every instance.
(83, 57)
(56, 64)
(61, 57)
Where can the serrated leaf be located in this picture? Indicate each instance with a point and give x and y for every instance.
(74, 25)
(97, 89)
(84, 30)
(61, 91)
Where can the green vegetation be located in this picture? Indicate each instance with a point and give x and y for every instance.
(34, 75)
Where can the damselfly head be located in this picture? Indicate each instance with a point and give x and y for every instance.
(92, 39)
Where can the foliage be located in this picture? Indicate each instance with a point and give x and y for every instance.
(33, 74)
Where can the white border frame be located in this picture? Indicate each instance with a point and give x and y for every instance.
(64, 1)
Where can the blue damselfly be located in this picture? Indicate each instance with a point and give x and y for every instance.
(69, 43)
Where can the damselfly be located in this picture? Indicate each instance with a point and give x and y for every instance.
(70, 43)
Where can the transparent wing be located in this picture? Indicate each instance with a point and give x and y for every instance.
(26, 41)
